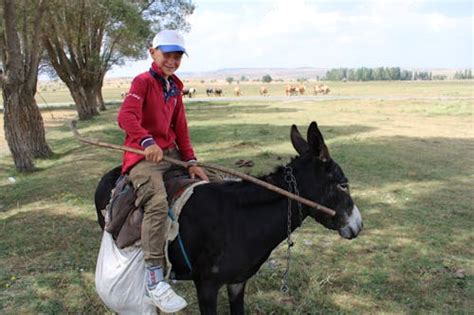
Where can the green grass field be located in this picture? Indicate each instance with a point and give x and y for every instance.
(411, 167)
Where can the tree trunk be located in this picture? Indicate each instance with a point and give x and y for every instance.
(23, 124)
(24, 128)
(85, 100)
(16, 126)
(37, 144)
(100, 98)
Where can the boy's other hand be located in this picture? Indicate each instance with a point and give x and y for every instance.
(153, 153)
(197, 171)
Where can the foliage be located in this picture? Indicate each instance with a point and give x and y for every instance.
(170, 14)
(267, 78)
(440, 77)
(116, 30)
(368, 74)
(229, 80)
(86, 38)
(463, 75)
(422, 75)
(387, 73)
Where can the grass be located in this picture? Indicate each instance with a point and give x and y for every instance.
(410, 163)
(50, 93)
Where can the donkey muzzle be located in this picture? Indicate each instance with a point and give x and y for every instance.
(354, 225)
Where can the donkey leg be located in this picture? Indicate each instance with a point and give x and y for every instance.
(236, 292)
(207, 296)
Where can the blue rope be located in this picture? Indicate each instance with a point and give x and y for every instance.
(180, 241)
(183, 250)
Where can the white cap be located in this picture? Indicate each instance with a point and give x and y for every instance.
(169, 41)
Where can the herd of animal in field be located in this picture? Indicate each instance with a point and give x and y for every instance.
(290, 90)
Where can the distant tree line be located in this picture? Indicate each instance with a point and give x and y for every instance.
(388, 73)
(463, 75)
(371, 74)
(266, 78)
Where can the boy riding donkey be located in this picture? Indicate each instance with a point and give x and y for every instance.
(153, 118)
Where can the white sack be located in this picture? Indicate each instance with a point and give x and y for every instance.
(120, 278)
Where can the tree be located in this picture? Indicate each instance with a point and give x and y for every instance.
(229, 80)
(406, 75)
(422, 75)
(267, 78)
(463, 75)
(379, 74)
(20, 49)
(440, 77)
(86, 38)
(351, 75)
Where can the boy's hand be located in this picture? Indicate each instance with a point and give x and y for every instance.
(197, 171)
(153, 153)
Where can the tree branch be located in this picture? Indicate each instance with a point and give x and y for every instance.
(37, 51)
(13, 67)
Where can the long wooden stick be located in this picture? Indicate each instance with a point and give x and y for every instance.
(312, 204)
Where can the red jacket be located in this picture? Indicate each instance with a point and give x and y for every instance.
(144, 115)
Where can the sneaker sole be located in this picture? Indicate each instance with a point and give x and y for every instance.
(167, 310)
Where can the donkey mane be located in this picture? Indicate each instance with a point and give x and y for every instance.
(247, 194)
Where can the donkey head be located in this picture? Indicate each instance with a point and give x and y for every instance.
(321, 179)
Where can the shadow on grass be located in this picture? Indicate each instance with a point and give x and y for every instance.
(367, 163)
(262, 134)
(48, 260)
(197, 111)
(383, 160)
(407, 259)
(79, 167)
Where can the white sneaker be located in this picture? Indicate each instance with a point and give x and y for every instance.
(165, 298)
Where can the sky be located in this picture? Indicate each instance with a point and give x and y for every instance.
(325, 34)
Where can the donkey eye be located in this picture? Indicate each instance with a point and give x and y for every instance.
(344, 187)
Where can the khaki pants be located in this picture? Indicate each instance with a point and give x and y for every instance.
(147, 179)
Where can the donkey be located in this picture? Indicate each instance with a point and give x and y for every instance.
(229, 229)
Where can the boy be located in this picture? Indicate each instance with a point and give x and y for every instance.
(153, 118)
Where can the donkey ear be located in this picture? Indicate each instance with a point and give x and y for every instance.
(316, 142)
(300, 144)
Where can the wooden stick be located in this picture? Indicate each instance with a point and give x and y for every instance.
(312, 204)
